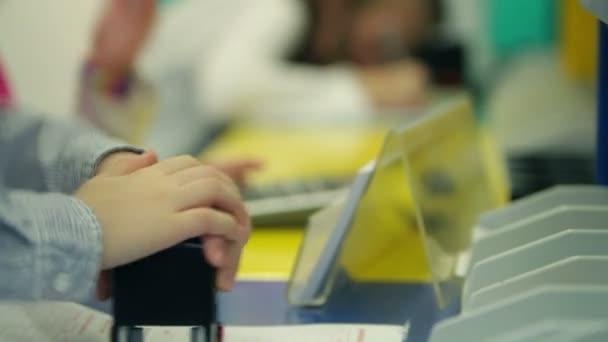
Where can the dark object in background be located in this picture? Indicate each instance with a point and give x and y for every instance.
(175, 287)
(446, 60)
(534, 172)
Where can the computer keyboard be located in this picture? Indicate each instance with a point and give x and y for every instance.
(534, 172)
(290, 203)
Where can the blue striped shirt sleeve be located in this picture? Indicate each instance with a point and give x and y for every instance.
(50, 242)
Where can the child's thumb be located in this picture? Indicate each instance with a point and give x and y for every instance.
(125, 164)
(146, 159)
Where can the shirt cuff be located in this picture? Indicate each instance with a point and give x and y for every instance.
(80, 159)
(68, 245)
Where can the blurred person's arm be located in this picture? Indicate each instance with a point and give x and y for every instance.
(400, 84)
(246, 72)
(112, 96)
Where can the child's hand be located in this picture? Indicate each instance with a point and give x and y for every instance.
(159, 206)
(396, 85)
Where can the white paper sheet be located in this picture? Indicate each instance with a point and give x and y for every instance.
(61, 322)
(316, 333)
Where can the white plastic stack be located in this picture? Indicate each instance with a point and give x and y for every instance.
(539, 272)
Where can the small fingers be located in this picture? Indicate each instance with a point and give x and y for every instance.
(196, 173)
(213, 193)
(226, 275)
(175, 164)
(216, 250)
(206, 221)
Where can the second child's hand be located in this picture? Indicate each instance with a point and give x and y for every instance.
(121, 33)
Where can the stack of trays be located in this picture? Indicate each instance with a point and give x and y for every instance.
(539, 272)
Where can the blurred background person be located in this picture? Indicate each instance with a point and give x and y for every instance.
(112, 95)
(511, 65)
(278, 61)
